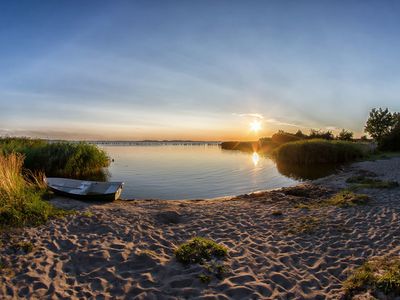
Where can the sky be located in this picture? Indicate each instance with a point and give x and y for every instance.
(199, 70)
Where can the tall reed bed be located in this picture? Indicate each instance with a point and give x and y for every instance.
(317, 151)
(21, 199)
(62, 159)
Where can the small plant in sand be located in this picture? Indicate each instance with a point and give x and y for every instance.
(361, 181)
(277, 213)
(202, 251)
(344, 198)
(377, 276)
(199, 249)
(347, 198)
(204, 278)
(304, 225)
(22, 246)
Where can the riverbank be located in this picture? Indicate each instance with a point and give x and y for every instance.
(276, 249)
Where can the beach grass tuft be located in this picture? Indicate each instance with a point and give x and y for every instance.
(21, 201)
(23, 246)
(198, 250)
(304, 225)
(346, 198)
(361, 181)
(377, 275)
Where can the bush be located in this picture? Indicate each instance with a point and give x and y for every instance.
(20, 200)
(317, 151)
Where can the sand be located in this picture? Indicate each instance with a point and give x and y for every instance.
(125, 249)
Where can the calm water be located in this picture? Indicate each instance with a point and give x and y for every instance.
(190, 172)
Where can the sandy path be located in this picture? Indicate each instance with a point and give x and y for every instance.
(125, 249)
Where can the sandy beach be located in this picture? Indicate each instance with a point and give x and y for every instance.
(125, 249)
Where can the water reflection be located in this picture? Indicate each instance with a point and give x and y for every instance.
(256, 158)
(308, 172)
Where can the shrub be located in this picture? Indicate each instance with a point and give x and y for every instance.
(317, 151)
(20, 200)
(199, 249)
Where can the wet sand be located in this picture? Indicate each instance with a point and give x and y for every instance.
(125, 249)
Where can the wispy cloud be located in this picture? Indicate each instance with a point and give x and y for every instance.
(277, 122)
(251, 115)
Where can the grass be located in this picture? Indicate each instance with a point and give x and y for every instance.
(361, 181)
(347, 198)
(318, 151)
(344, 198)
(198, 250)
(204, 278)
(378, 275)
(21, 201)
(23, 246)
(304, 225)
(62, 159)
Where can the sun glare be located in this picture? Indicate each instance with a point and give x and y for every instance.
(255, 126)
(256, 158)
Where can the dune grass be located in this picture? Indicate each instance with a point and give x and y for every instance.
(21, 201)
(361, 181)
(198, 250)
(377, 275)
(61, 159)
(318, 151)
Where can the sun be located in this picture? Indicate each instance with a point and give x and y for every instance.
(255, 126)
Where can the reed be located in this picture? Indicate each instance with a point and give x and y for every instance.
(61, 159)
(318, 151)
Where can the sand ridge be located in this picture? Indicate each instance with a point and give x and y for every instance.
(124, 250)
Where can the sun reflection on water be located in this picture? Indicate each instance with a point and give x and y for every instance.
(256, 158)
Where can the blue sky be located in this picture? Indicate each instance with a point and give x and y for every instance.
(194, 69)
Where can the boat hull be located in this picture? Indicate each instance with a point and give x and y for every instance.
(85, 190)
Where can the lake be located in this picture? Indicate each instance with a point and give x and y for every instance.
(165, 171)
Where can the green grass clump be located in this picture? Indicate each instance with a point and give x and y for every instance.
(361, 181)
(378, 275)
(304, 225)
(61, 159)
(317, 151)
(347, 198)
(199, 249)
(24, 246)
(20, 200)
(204, 278)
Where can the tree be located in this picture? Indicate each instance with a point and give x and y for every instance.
(345, 135)
(380, 123)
